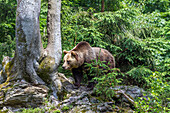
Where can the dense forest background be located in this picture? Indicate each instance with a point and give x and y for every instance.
(136, 32)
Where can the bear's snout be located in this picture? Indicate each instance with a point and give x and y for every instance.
(63, 67)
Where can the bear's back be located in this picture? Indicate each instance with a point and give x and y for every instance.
(104, 55)
(85, 51)
(82, 46)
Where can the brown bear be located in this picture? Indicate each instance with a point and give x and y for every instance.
(82, 53)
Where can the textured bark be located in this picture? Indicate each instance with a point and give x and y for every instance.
(102, 9)
(29, 50)
(28, 43)
(31, 63)
(54, 49)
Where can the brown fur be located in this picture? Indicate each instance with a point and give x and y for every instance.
(84, 53)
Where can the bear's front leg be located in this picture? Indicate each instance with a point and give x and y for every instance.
(78, 75)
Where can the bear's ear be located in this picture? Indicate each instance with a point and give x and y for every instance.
(65, 52)
(73, 53)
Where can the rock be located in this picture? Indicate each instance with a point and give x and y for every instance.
(101, 108)
(53, 100)
(84, 101)
(81, 109)
(23, 94)
(132, 91)
(93, 100)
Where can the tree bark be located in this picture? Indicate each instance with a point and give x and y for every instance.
(32, 64)
(54, 49)
(53, 31)
(102, 9)
(28, 43)
(32, 59)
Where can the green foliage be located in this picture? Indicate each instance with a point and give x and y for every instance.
(56, 111)
(8, 7)
(149, 6)
(7, 48)
(110, 5)
(105, 78)
(105, 86)
(65, 108)
(43, 22)
(166, 30)
(33, 110)
(138, 41)
(7, 27)
(153, 5)
(158, 95)
(138, 75)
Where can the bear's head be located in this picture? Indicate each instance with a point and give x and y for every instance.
(70, 60)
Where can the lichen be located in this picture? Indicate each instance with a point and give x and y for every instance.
(8, 73)
(8, 68)
(46, 67)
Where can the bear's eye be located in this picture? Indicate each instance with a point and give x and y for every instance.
(68, 62)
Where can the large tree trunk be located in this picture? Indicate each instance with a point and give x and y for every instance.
(32, 59)
(28, 43)
(32, 67)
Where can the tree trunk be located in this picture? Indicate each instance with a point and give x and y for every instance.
(32, 60)
(28, 43)
(32, 64)
(102, 9)
(53, 31)
(54, 50)
(51, 57)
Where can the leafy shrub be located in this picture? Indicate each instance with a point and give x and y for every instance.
(7, 27)
(158, 95)
(105, 85)
(138, 76)
(153, 5)
(105, 78)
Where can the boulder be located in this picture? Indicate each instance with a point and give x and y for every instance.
(23, 94)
